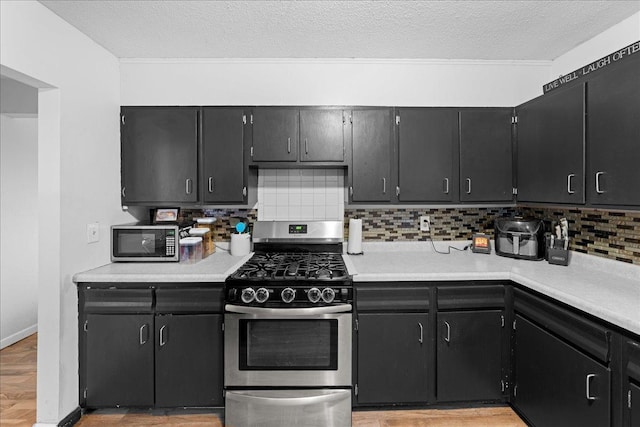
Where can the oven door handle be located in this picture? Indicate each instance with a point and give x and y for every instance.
(284, 312)
(289, 401)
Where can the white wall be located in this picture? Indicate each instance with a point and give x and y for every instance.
(78, 177)
(609, 41)
(18, 227)
(331, 82)
(17, 98)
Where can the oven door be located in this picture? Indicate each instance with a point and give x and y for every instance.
(306, 347)
(278, 408)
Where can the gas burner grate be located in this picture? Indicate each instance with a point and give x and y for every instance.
(298, 266)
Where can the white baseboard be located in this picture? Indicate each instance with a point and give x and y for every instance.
(14, 338)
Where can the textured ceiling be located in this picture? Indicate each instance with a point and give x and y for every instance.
(492, 30)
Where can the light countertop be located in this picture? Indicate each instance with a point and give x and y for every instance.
(604, 288)
(609, 290)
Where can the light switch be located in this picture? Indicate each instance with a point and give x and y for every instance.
(93, 232)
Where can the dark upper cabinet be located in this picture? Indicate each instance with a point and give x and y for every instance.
(392, 358)
(551, 147)
(159, 154)
(486, 155)
(469, 355)
(427, 154)
(322, 135)
(189, 369)
(558, 385)
(275, 134)
(223, 169)
(373, 140)
(613, 135)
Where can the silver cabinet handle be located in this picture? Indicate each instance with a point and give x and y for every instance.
(162, 340)
(447, 338)
(397, 191)
(468, 185)
(187, 186)
(143, 341)
(244, 191)
(569, 177)
(598, 175)
(384, 185)
(446, 186)
(306, 146)
(420, 339)
(588, 386)
(210, 184)
(351, 191)
(288, 145)
(124, 195)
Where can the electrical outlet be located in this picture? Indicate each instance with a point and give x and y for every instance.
(93, 232)
(425, 223)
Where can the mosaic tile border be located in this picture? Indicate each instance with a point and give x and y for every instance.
(609, 234)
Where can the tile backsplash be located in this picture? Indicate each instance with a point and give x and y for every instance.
(300, 194)
(604, 233)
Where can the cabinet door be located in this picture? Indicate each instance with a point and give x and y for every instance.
(392, 358)
(613, 136)
(633, 403)
(275, 134)
(223, 175)
(119, 360)
(550, 161)
(469, 356)
(558, 385)
(321, 135)
(426, 143)
(486, 155)
(372, 154)
(189, 369)
(159, 154)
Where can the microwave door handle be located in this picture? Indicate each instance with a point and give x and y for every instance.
(289, 401)
(287, 312)
(516, 244)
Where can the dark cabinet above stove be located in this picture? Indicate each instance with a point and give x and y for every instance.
(298, 137)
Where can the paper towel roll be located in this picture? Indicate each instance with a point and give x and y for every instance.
(354, 246)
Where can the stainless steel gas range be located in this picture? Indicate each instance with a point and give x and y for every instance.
(288, 326)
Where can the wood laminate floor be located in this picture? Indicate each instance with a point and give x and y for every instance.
(18, 405)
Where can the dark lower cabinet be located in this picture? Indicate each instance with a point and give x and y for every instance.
(469, 355)
(392, 358)
(119, 360)
(189, 360)
(150, 347)
(556, 384)
(633, 404)
(632, 382)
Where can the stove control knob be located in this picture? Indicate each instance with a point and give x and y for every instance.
(248, 295)
(314, 295)
(262, 294)
(328, 295)
(288, 295)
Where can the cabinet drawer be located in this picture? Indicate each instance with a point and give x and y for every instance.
(392, 298)
(633, 361)
(189, 300)
(470, 296)
(116, 300)
(583, 333)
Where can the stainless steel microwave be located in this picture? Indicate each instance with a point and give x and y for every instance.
(145, 242)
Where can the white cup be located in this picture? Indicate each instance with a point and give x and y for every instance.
(240, 244)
